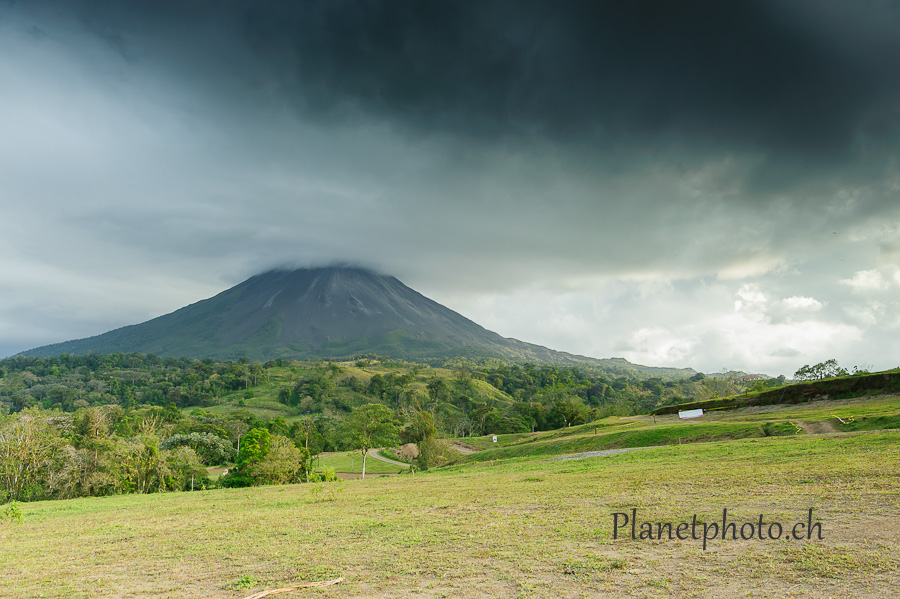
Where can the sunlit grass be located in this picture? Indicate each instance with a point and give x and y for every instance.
(351, 462)
(522, 527)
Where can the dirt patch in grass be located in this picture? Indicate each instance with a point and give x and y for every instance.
(408, 451)
(822, 427)
(463, 448)
(594, 454)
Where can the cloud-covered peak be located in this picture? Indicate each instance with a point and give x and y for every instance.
(612, 159)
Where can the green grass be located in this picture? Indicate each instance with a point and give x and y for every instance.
(514, 528)
(507, 521)
(392, 455)
(646, 431)
(351, 463)
(845, 387)
(486, 442)
(630, 435)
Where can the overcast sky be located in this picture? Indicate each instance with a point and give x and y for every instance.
(697, 184)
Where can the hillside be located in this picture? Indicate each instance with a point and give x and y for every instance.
(880, 412)
(505, 397)
(522, 516)
(526, 527)
(855, 385)
(324, 313)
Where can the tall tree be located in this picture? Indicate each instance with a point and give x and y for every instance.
(27, 444)
(368, 426)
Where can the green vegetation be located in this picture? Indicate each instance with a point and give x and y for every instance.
(511, 528)
(107, 425)
(647, 431)
(845, 386)
(351, 462)
(11, 512)
(369, 426)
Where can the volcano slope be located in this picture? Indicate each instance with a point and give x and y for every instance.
(324, 313)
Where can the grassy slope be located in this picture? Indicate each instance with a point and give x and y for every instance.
(519, 528)
(644, 431)
(845, 387)
(351, 462)
(524, 527)
(265, 404)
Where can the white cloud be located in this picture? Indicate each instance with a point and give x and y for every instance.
(865, 316)
(802, 303)
(750, 298)
(866, 281)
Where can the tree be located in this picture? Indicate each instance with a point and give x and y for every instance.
(185, 471)
(420, 427)
(569, 410)
(27, 444)
(210, 448)
(434, 452)
(254, 446)
(822, 370)
(438, 390)
(143, 466)
(284, 463)
(304, 429)
(368, 426)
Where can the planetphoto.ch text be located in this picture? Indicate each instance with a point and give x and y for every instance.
(629, 524)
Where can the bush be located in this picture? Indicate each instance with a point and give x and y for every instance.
(11, 512)
(233, 480)
(327, 475)
(434, 453)
(211, 448)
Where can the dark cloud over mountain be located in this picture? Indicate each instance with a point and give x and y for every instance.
(469, 147)
(805, 78)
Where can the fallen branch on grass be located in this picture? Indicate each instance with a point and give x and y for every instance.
(321, 583)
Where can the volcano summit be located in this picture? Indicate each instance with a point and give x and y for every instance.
(333, 312)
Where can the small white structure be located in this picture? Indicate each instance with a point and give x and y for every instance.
(495, 438)
(690, 414)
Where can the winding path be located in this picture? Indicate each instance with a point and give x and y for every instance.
(374, 454)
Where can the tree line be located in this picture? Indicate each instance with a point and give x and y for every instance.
(106, 424)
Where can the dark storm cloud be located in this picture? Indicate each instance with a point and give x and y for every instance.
(601, 73)
(604, 75)
(153, 153)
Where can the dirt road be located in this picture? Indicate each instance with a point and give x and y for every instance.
(374, 453)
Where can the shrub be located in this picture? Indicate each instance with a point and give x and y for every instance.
(434, 453)
(327, 475)
(11, 512)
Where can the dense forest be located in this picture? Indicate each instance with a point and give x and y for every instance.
(119, 423)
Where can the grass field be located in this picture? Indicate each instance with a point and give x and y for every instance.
(881, 412)
(351, 462)
(525, 526)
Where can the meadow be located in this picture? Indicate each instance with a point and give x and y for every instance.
(350, 462)
(825, 416)
(510, 526)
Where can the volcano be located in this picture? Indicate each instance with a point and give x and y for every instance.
(327, 313)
